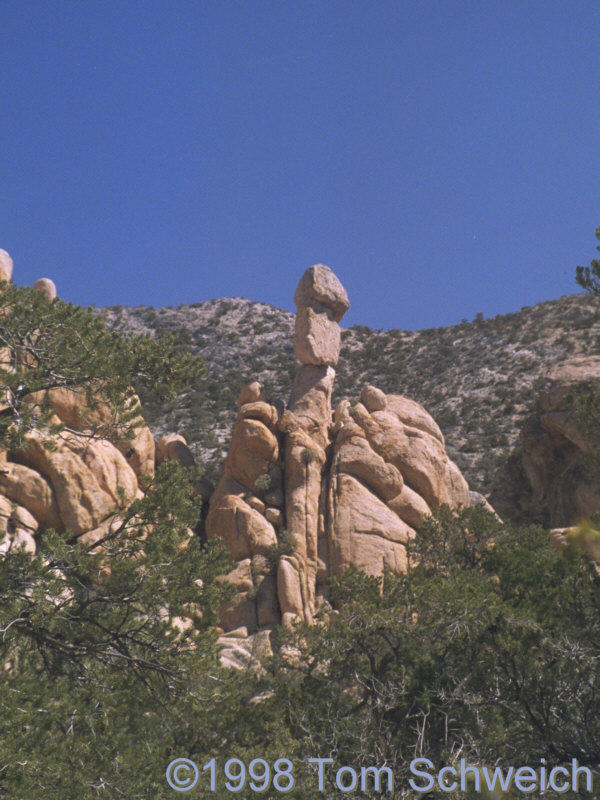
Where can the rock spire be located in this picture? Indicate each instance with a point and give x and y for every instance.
(308, 491)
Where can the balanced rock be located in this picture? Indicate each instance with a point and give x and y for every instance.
(351, 487)
(321, 302)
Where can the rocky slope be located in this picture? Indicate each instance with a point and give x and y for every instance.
(477, 379)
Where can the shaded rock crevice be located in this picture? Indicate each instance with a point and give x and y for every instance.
(548, 479)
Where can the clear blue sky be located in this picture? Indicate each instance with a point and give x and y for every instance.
(442, 157)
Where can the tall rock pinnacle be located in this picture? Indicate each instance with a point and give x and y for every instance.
(321, 302)
(307, 493)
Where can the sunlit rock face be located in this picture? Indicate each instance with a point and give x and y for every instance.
(246, 513)
(80, 483)
(306, 491)
(309, 490)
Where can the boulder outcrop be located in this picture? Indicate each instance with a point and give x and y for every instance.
(547, 480)
(310, 491)
(73, 480)
(389, 470)
(241, 513)
(6, 266)
(306, 491)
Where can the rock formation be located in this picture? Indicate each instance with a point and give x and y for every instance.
(321, 301)
(546, 480)
(389, 471)
(308, 491)
(246, 511)
(81, 482)
(6, 266)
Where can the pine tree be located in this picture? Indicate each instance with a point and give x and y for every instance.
(108, 658)
(487, 649)
(46, 345)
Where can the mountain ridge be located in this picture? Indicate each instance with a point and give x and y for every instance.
(478, 379)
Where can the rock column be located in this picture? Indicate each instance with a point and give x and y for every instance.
(245, 513)
(321, 302)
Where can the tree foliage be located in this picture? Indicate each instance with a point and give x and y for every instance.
(108, 658)
(489, 649)
(46, 345)
(589, 277)
(104, 647)
(585, 400)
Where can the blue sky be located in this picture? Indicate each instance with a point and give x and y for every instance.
(442, 157)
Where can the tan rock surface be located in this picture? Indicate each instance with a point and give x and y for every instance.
(318, 337)
(356, 458)
(261, 411)
(254, 451)
(18, 539)
(237, 512)
(6, 266)
(373, 398)
(108, 465)
(320, 284)
(419, 457)
(256, 503)
(162, 444)
(359, 518)
(546, 480)
(238, 612)
(410, 507)
(457, 489)
(289, 589)
(275, 516)
(106, 529)
(414, 415)
(321, 301)
(90, 478)
(28, 488)
(242, 529)
(373, 555)
(46, 287)
(17, 527)
(6, 508)
(174, 448)
(72, 408)
(241, 576)
(251, 393)
(22, 518)
(310, 402)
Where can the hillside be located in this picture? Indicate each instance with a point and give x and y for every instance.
(478, 379)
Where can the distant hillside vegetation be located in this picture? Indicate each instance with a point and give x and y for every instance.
(478, 379)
